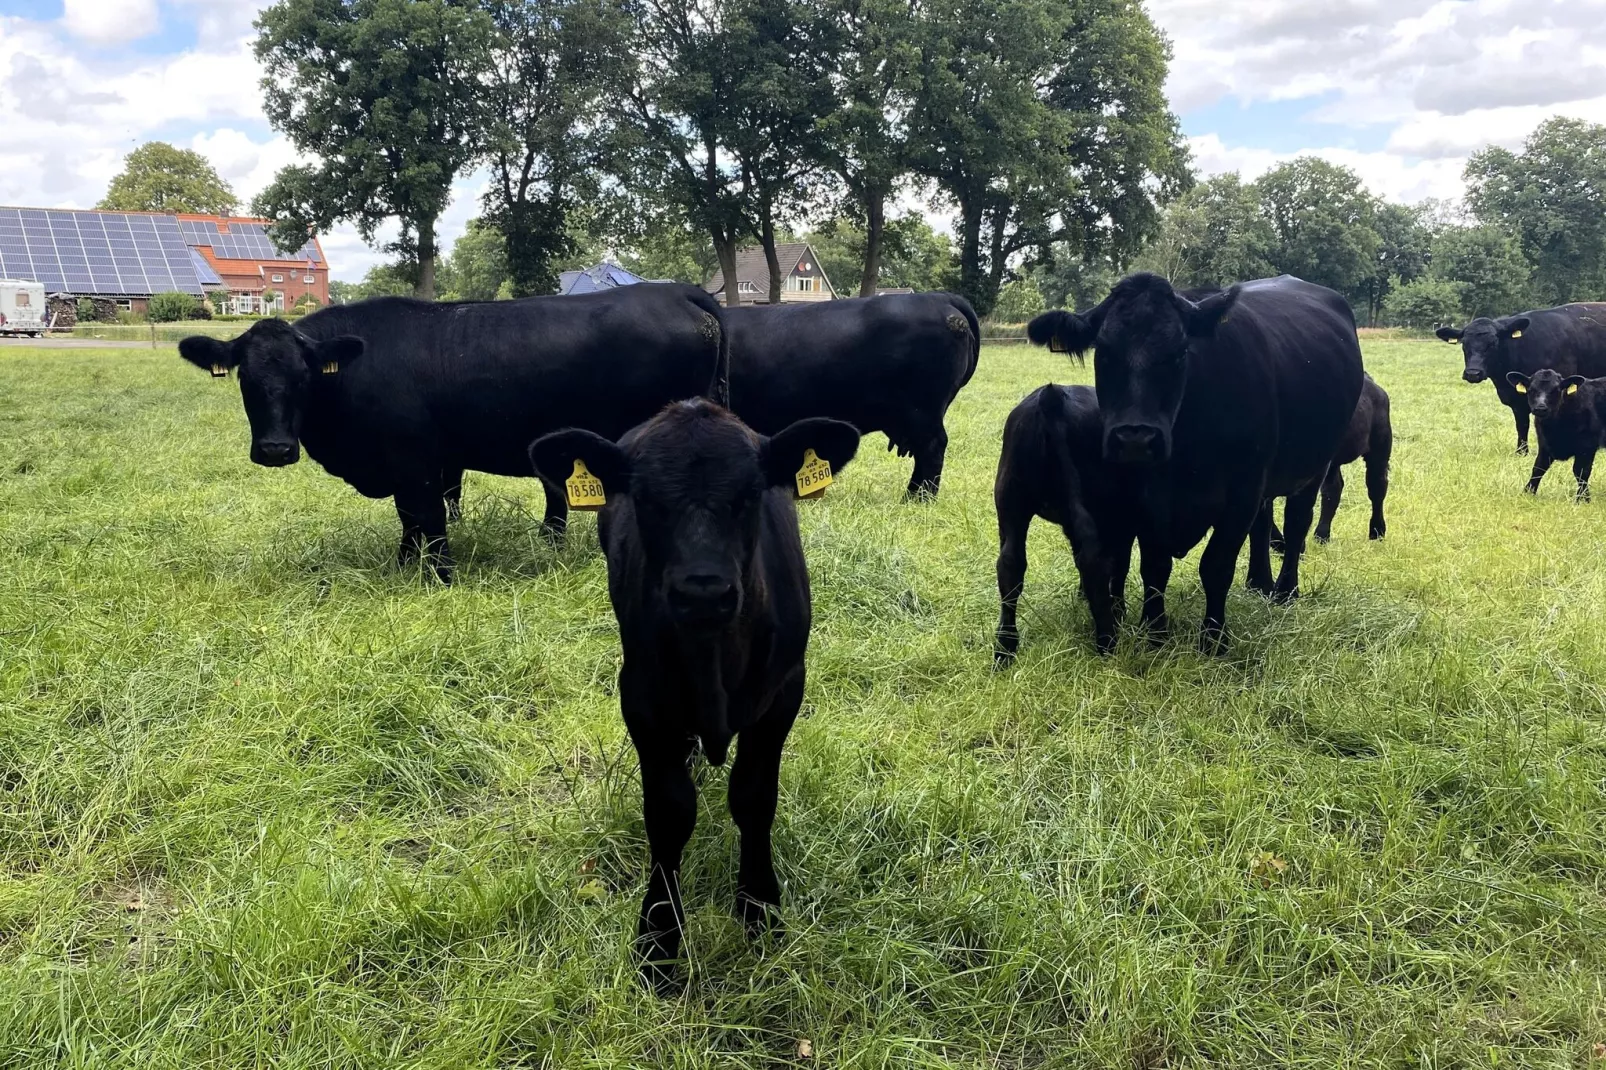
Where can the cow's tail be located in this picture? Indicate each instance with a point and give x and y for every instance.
(975, 335)
(720, 389)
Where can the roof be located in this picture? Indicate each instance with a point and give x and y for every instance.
(137, 254)
(752, 267)
(602, 276)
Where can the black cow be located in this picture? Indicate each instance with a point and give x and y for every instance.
(1570, 416)
(711, 592)
(1370, 435)
(1052, 465)
(892, 364)
(399, 397)
(1570, 339)
(1211, 407)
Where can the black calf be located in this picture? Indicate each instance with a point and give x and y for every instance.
(1568, 414)
(708, 583)
(1371, 436)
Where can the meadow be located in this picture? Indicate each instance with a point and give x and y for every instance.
(267, 800)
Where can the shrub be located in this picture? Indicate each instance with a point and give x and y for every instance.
(1018, 302)
(1423, 304)
(172, 306)
(86, 310)
(219, 299)
(130, 319)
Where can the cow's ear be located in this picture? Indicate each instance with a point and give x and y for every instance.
(215, 356)
(1518, 380)
(1202, 317)
(832, 441)
(331, 354)
(1571, 384)
(1449, 334)
(1063, 332)
(1512, 326)
(553, 458)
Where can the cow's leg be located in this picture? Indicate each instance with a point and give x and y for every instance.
(1583, 464)
(452, 481)
(669, 805)
(1520, 414)
(1296, 525)
(1259, 577)
(1377, 480)
(1154, 564)
(754, 785)
(1276, 535)
(1013, 526)
(1542, 465)
(927, 475)
(422, 509)
(1220, 558)
(556, 521)
(1332, 494)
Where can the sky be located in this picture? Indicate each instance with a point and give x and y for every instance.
(1402, 91)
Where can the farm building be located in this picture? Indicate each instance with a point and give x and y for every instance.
(803, 277)
(127, 257)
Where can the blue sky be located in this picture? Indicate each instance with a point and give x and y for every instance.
(1402, 91)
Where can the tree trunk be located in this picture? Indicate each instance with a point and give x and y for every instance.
(725, 249)
(424, 288)
(875, 221)
(766, 238)
(970, 281)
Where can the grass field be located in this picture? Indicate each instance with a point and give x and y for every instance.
(266, 801)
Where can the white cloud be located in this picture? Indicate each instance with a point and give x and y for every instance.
(108, 22)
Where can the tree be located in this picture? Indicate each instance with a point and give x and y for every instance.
(1487, 266)
(1018, 302)
(1552, 195)
(1423, 304)
(555, 64)
(1322, 222)
(866, 137)
(1402, 255)
(1067, 279)
(677, 110)
(1215, 234)
(912, 253)
(387, 94)
(670, 249)
(477, 266)
(157, 177)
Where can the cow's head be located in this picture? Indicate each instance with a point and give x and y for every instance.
(1481, 343)
(696, 477)
(1142, 336)
(277, 365)
(1547, 392)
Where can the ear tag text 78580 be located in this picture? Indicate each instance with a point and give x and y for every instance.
(219, 372)
(814, 476)
(585, 489)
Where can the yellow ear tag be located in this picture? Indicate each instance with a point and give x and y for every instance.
(331, 366)
(1573, 389)
(1516, 334)
(219, 372)
(814, 476)
(585, 489)
(1521, 388)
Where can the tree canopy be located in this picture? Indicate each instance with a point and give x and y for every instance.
(157, 177)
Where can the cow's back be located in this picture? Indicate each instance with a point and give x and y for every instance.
(1569, 338)
(485, 378)
(867, 361)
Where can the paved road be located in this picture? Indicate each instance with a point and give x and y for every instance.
(77, 343)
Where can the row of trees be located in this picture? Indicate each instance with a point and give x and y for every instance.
(1532, 232)
(1042, 123)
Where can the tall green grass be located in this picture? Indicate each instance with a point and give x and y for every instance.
(264, 800)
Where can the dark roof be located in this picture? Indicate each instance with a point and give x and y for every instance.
(751, 266)
(597, 277)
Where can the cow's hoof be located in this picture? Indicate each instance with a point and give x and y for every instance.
(1283, 596)
(1003, 659)
(1213, 642)
(1377, 531)
(1159, 630)
(1323, 538)
(1263, 587)
(761, 920)
(1105, 643)
(660, 964)
(1532, 488)
(1522, 449)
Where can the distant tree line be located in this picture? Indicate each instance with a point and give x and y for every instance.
(1532, 233)
(669, 128)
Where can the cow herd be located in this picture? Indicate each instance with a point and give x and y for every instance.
(693, 428)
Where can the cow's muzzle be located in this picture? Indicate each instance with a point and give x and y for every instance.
(703, 601)
(1134, 444)
(1474, 375)
(276, 454)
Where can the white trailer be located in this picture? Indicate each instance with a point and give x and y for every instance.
(22, 307)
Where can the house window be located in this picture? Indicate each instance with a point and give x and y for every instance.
(747, 288)
(278, 278)
(309, 280)
(804, 285)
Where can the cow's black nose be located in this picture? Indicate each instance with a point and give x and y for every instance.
(703, 598)
(1134, 443)
(1473, 375)
(276, 453)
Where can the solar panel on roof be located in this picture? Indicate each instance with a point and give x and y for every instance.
(203, 270)
(242, 241)
(110, 253)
